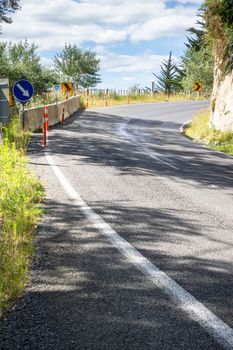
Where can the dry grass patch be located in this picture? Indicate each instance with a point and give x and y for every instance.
(201, 130)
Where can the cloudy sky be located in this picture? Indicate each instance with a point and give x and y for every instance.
(131, 37)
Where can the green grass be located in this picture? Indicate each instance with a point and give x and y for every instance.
(20, 195)
(15, 135)
(201, 130)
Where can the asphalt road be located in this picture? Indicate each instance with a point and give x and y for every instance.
(127, 173)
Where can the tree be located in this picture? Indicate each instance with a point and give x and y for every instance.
(7, 7)
(21, 61)
(134, 89)
(197, 35)
(78, 66)
(219, 25)
(167, 80)
(197, 64)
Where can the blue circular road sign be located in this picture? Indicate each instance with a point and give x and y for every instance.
(23, 90)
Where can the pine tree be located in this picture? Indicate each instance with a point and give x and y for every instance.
(197, 64)
(167, 80)
(7, 7)
(197, 39)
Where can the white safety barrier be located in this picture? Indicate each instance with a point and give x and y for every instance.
(57, 113)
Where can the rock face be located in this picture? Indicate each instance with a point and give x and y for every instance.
(222, 98)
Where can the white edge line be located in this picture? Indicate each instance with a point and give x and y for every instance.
(196, 311)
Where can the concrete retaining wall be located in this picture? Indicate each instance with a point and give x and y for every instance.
(33, 116)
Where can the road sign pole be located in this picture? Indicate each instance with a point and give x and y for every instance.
(63, 115)
(22, 116)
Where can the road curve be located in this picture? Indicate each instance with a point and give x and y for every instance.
(128, 195)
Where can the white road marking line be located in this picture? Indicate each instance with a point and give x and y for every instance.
(195, 310)
(151, 155)
(123, 132)
(183, 126)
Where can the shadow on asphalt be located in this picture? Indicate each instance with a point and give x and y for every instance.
(95, 137)
(84, 295)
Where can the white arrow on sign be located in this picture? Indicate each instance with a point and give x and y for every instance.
(25, 92)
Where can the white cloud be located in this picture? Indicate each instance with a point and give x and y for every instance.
(125, 69)
(50, 23)
(143, 63)
(164, 26)
(103, 24)
(129, 78)
(195, 2)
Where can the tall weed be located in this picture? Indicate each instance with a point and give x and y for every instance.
(20, 193)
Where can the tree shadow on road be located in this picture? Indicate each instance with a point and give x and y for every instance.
(138, 149)
(85, 295)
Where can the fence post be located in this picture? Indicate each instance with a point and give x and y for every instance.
(106, 98)
(87, 98)
(63, 115)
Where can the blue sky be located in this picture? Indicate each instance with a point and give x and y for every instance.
(130, 37)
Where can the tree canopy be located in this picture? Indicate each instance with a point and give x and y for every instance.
(7, 7)
(21, 61)
(196, 37)
(197, 64)
(219, 23)
(167, 80)
(78, 66)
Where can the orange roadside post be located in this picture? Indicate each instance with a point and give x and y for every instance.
(44, 127)
(46, 115)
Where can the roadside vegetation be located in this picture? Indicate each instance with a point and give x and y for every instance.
(202, 130)
(46, 99)
(112, 99)
(20, 195)
(208, 58)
